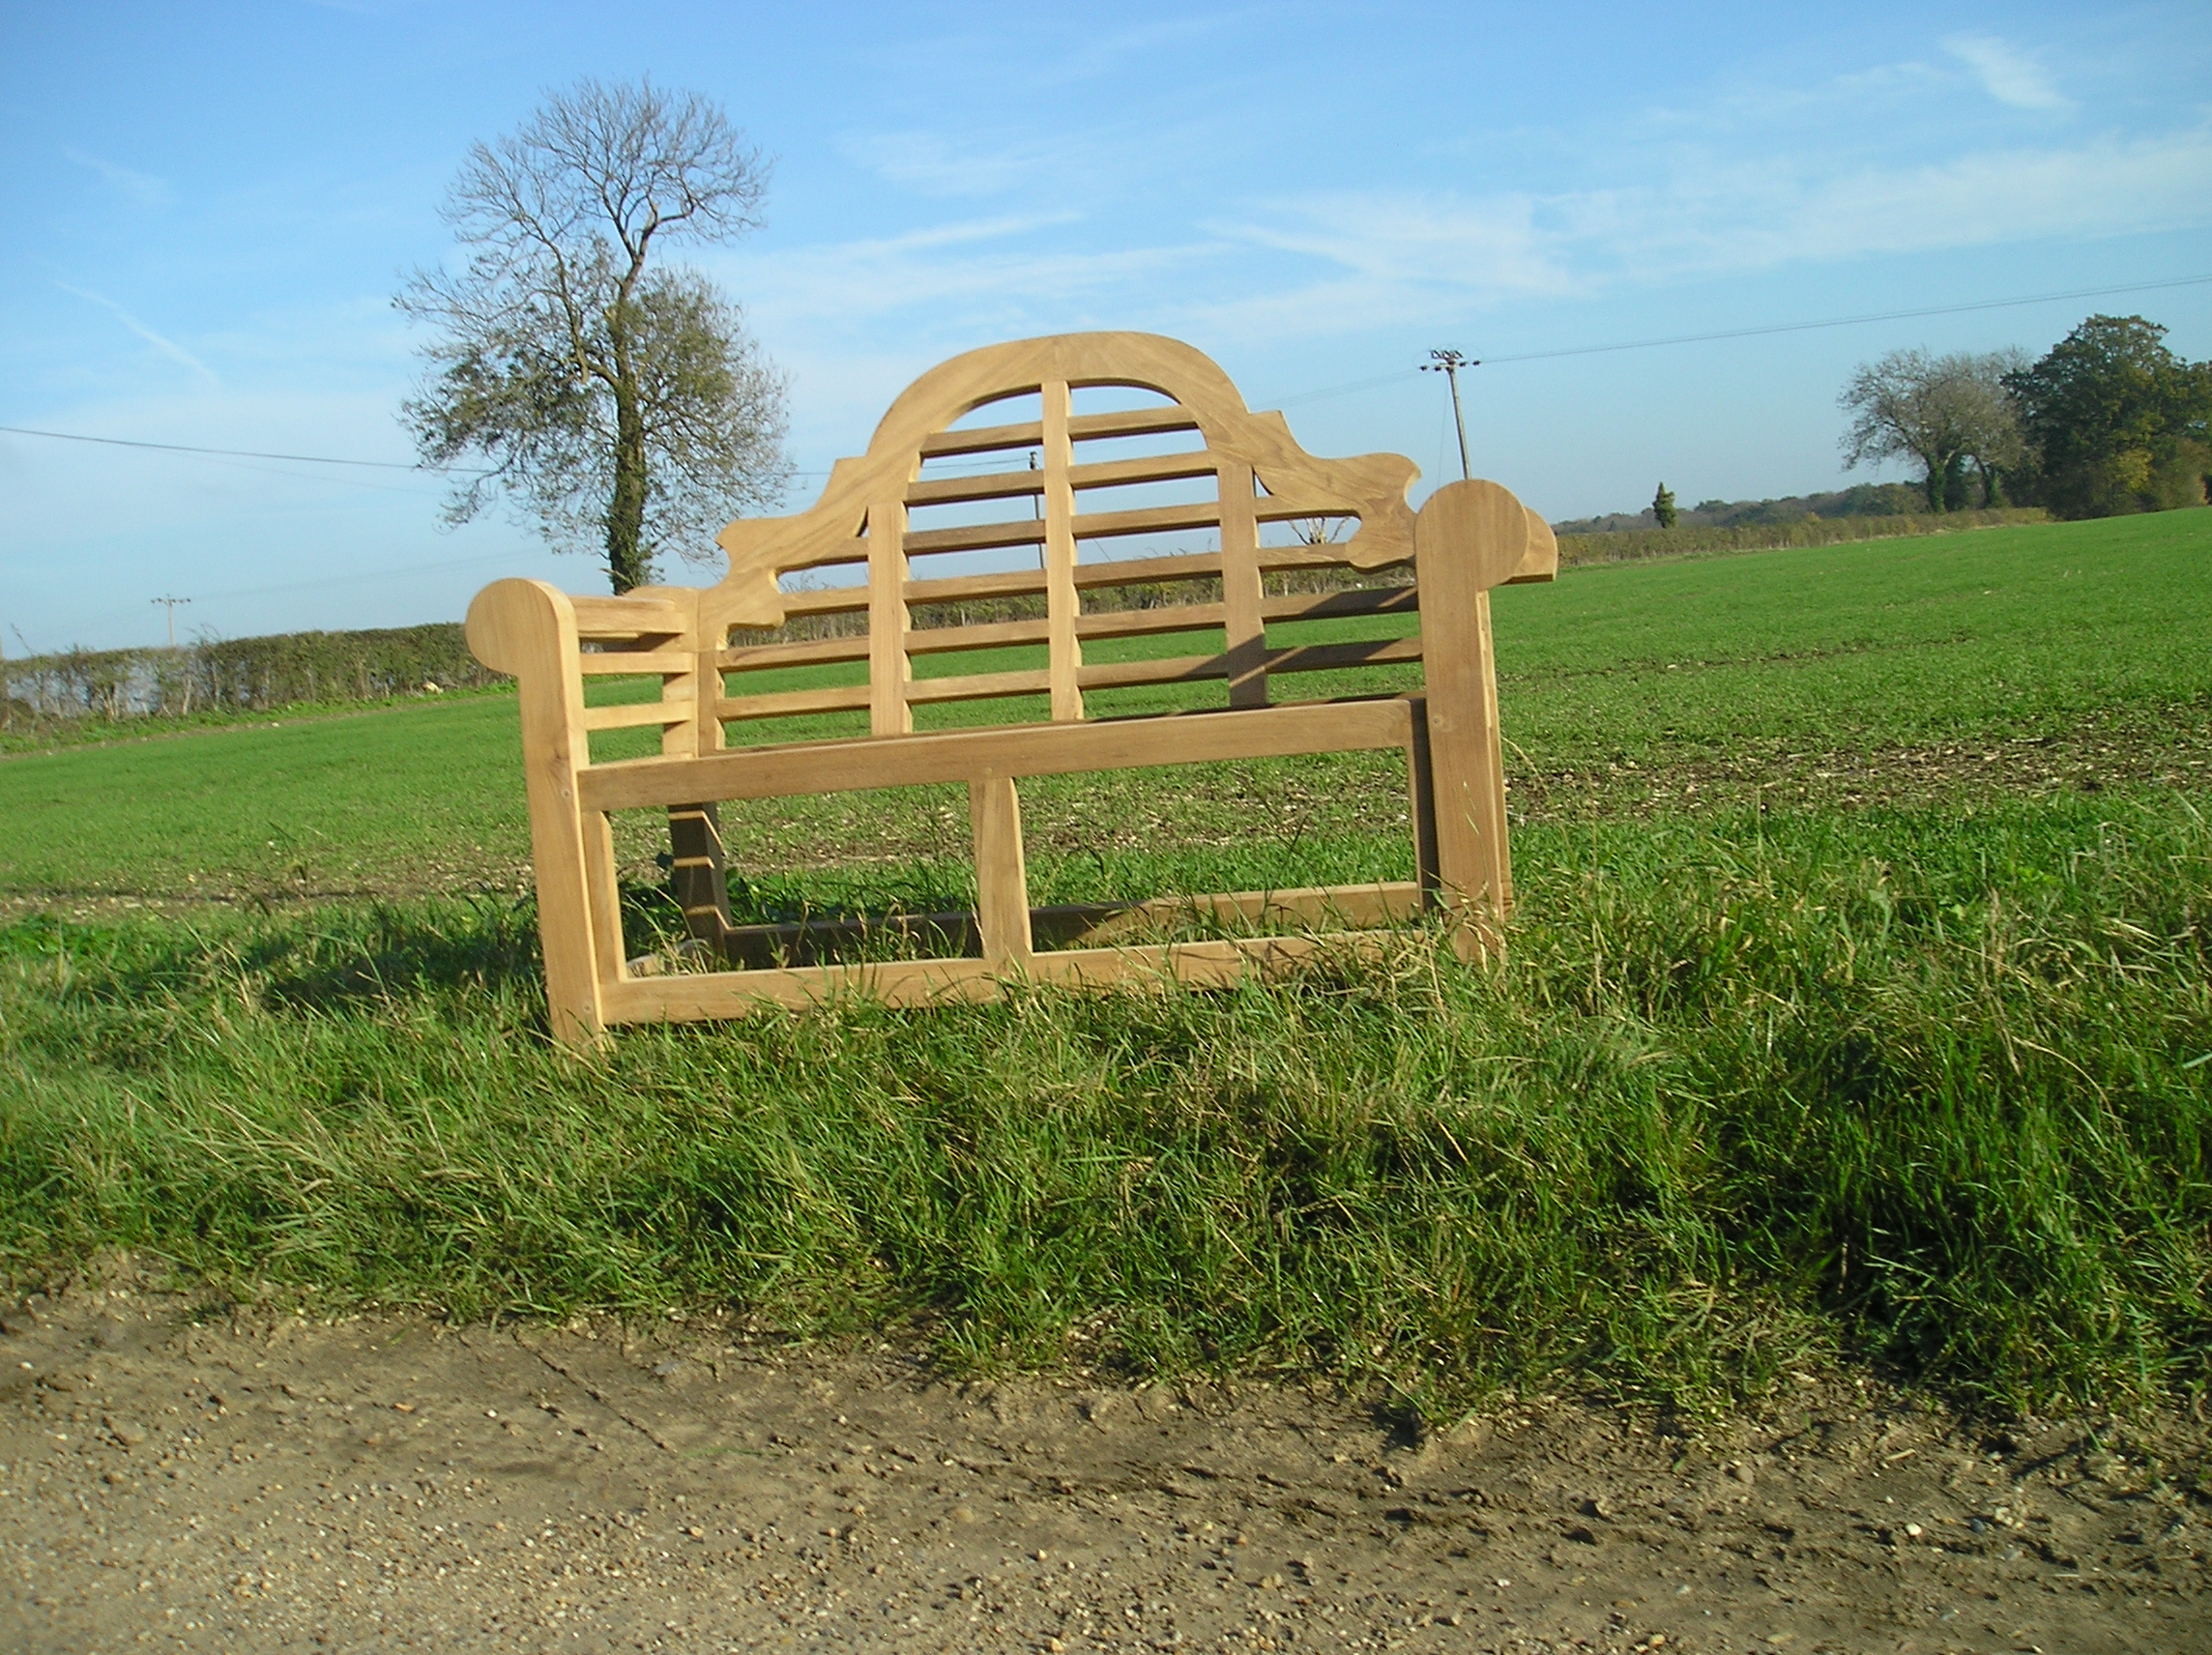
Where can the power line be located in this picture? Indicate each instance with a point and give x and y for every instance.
(1851, 321)
(227, 454)
(1398, 374)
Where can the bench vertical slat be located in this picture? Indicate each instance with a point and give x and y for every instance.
(697, 874)
(1241, 594)
(604, 893)
(697, 877)
(1001, 880)
(889, 668)
(1421, 783)
(1065, 653)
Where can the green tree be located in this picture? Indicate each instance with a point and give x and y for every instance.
(615, 400)
(1663, 507)
(1989, 417)
(2116, 422)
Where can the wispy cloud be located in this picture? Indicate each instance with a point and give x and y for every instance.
(1102, 54)
(1091, 163)
(2006, 72)
(143, 187)
(935, 164)
(167, 347)
(990, 266)
(1413, 256)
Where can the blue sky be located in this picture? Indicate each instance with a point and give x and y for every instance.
(208, 209)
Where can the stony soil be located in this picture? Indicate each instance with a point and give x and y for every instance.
(256, 1482)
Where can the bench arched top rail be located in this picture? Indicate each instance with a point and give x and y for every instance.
(1369, 487)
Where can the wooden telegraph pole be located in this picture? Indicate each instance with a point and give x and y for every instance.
(170, 603)
(1448, 363)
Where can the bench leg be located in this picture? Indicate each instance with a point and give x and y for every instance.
(1002, 881)
(1467, 792)
(696, 872)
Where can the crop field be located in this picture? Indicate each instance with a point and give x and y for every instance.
(1857, 1009)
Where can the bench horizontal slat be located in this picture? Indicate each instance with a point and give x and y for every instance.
(1144, 468)
(608, 664)
(825, 600)
(1131, 423)
(1099, 473)
(1211, 963)
(1360, 600)
(1021, 583)
(983, 485)
(1148, 520)
(793, 702)
(630, 715)
(1007, 750)
(978, 687)
(1198, 669)
(1338, 657)
(626, 617)
(800, 941)
(798, 652)
(976, 537)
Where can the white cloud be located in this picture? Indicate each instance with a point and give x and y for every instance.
(143, 187)
(167, 347)
(2006, 72)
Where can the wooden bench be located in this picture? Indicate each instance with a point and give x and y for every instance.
(1050, 485)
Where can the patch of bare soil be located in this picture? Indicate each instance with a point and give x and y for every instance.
(2168, 748)
(267, 1483)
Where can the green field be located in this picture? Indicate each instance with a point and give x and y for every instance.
(1619, 684)
(1858, 1009)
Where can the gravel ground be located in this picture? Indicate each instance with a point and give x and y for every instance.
(253, 1482)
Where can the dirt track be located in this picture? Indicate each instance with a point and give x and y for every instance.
(263, 1483)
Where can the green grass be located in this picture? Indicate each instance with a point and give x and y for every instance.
(1924, 1090)
(1924, 1082)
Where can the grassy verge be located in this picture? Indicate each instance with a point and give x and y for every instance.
(1926, 1089)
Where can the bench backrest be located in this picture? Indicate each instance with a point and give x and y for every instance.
(1064, 486)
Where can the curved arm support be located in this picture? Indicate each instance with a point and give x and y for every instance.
(528, 628)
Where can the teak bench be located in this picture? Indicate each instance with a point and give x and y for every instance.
(1055, 486)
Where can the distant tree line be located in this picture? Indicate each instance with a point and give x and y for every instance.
(235, 675)
(1861, 500)
(2110, 421)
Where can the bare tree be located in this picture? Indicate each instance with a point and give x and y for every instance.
(618, 401)
(1939, 411)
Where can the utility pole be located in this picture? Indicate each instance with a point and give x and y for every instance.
(170, 603)
(1448, 363)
